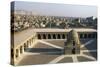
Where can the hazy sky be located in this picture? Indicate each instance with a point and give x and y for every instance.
(57, 9)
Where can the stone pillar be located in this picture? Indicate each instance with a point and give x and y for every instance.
(32, 40)
(19, 51)
(20, 48)
(41, 36)
(51, 36)
(46, 36)
(23, 49)
(56, 36)
(14, 60)
(66, 36)
(27, 44)
(61, 36)
(83, 36)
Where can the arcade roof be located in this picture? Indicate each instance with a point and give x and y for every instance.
(65, 30)
(19, 37)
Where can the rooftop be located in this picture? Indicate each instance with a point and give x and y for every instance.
(19, 37)
(64, 30)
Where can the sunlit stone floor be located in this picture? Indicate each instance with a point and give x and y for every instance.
(51, 51)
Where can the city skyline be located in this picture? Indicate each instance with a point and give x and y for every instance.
(52, 9)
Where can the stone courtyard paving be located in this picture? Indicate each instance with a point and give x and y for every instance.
(51, 51)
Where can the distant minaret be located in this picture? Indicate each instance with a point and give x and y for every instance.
(79, 20)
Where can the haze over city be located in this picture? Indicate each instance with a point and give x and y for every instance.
(51, 9)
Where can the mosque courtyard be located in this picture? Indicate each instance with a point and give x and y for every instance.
(61, 35)
(50, 51)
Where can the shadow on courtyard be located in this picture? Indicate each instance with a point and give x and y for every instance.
(91, 46)
(55, 51)
(48, 51)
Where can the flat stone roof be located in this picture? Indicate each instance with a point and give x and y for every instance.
(65, 30)
(19, 37)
